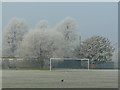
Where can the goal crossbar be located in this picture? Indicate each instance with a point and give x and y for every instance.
(69, 59)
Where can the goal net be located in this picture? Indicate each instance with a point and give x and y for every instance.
(68, 63)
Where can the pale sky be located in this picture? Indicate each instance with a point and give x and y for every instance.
(100, 18)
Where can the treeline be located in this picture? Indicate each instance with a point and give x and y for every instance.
(44, 42)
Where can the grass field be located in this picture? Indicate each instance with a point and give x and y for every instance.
(52, 79)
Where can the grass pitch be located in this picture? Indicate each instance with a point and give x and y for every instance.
(52, 79)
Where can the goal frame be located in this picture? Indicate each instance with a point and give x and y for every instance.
(88, 61)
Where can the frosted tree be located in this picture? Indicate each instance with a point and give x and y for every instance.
(13, 35)
(96, 48)
(68, 29)
(39, 44)
(0, 43)
(43, 24)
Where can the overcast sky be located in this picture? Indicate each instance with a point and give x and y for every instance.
(92, 18)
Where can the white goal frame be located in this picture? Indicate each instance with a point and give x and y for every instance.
(50, 64)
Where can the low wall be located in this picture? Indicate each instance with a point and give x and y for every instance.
(20, 64)
(35, 64)
(104, 65)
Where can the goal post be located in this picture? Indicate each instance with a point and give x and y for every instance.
(68, 59)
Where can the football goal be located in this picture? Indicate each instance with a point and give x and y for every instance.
(68, 63)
